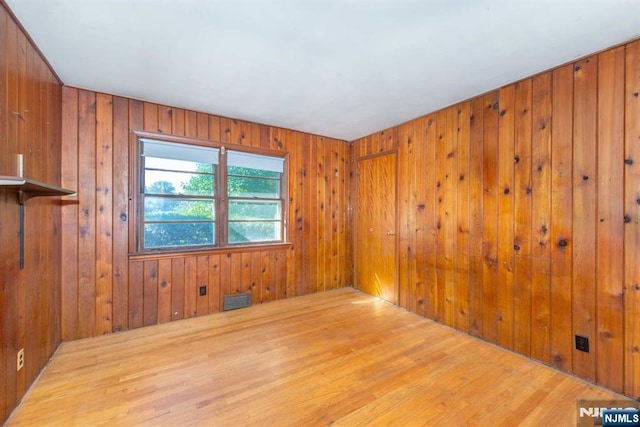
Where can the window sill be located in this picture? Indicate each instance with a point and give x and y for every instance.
(210, 251)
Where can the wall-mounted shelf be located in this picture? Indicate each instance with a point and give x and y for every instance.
(27, 189)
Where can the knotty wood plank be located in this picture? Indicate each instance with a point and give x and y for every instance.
(165, 290)
(306, 336)
(69, 249)
(584, 211)
(203, 126)
(255, 271)
(320, 208)
(506, 218)
(177, 289)
(104, 214)
(190, 287)
(561, 337)
(136, 119)
(165, 119)
(476, 209)
(522, 216)
(424, 221)
(150, 293)
(632, 225)
(214, 128)
(177, 121)
(439, 166)
(406, 230)
(463, 224)
(450, 215)
(541, 215)
(87, 214)
(490, 217)
(214, 284)
(136, 294)
(610, 232)
(121, 214)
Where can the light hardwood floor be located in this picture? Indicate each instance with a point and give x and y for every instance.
(340, 357)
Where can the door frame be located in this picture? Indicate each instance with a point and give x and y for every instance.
(354, 191)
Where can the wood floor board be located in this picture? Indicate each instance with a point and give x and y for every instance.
(334, 358)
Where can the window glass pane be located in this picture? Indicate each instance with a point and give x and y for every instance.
(253, 187)
(251, 210)
(157, 235)
(255, 161)
(192, 184)
(177, 165)
(170, 209)
(177, 151)
(259, 231)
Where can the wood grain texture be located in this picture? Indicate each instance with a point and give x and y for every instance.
(292, 363)
(632, 222)
(553, 215)
(31, 125)
(116, 292)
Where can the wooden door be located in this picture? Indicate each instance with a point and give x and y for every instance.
(376, 226)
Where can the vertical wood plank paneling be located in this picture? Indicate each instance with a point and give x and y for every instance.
(490, 214)
(214, 284)
(428, 215)
(610, 265)
(31, 124)
(463, 218)
(190, 287)
(320, 208)
(406, 231)
(136, 294)
(177, 289)
(522, 214)
(69, 317)
(541, 215)
(584, 211)
(450, 215)
(439, 166)
(150, 296)
(121, 214)
(150, 115)
(87, 214)
(632, 222)
(164, 290)
(476, 208)
(506, 215)
(11, 324)
(104, 214)
(561, 337)
(420, 214)
(202, 279)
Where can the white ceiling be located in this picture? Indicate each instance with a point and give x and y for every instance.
(341, 68)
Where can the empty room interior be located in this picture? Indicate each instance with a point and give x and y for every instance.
(318, 213)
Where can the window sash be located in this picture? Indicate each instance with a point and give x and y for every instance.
(263, 225)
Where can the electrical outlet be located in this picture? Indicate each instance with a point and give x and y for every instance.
(20, 359)
(203, 290)
(582, 343)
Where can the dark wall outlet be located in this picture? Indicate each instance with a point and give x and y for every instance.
(582, 343)
(203, 290)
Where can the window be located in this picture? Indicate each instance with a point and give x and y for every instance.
(194, 196)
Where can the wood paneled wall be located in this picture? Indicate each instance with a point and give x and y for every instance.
(105, 289)
(30, 121)
(520, 216)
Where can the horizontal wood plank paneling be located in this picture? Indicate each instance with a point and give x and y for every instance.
(31, 125)
(106, 291)
(553, 215)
